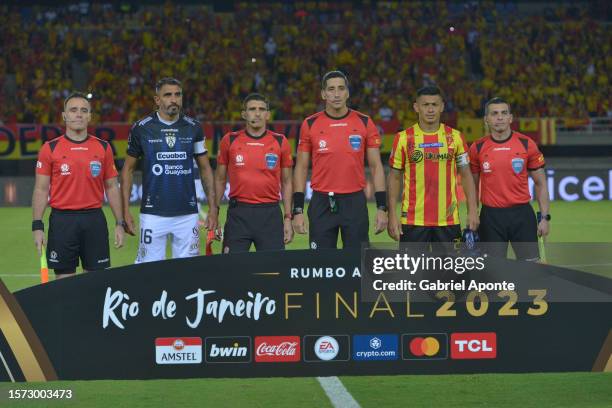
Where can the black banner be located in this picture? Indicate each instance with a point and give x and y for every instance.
(294, 313)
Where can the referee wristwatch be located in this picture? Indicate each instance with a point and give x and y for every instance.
(121, 223)
(542, 217)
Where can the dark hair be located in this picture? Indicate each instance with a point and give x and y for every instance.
(167, 81)
(430, 90)
(334, 74)
(495, 100)
(74, 95)
(255, 97)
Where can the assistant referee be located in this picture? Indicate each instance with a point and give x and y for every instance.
(502, 161)
(73, 171)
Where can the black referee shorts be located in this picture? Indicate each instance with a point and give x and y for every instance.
(423, 239)
(350, 218)
(75, 234)
(517, 225)
(259, 224)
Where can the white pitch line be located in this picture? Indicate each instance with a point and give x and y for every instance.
(584, 265)
(7, 368)
(337, 393)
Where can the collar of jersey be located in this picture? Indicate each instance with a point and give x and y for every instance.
(348, 112)
(502, 141)
(246, 132)
(76, 141)
(418, 127)
(156, 116)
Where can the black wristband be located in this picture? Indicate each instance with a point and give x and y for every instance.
(298, 200)
(381, 199)
(38, 225)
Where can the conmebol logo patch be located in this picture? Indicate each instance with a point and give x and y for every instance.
(178, 350)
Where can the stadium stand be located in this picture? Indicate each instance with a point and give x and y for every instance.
(548, 61)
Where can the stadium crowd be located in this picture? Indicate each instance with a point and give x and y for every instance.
(551, 63)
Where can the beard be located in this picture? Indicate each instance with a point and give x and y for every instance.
(173, 110)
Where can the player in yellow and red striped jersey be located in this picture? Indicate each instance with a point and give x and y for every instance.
(429, 156)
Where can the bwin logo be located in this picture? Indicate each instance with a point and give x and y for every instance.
(235, 351)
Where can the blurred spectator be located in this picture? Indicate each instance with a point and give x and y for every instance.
(556, 63)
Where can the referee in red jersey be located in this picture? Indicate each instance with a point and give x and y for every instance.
(74, 171)
(338, 139)
(501, 162)
(258, 162)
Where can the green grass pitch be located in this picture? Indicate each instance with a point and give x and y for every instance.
(573, 222)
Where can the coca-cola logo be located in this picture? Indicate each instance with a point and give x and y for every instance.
(286, 348)
(277, 349)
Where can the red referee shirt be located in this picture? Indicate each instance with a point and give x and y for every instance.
(337, 147)
(254, 165)
(77, 170)
(503, 167)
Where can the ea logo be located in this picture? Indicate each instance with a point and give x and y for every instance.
(427, 346)
(157, 169)
(326, 348)
(178, 344)
(416, 156)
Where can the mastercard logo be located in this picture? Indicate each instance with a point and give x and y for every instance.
(424, 346)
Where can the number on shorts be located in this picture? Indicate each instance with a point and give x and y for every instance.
(145, 236)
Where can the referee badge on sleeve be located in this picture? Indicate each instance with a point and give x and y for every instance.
(517, 165)
(271, 160)
(95, 167)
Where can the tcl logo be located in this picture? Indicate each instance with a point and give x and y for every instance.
(277, 349)
(473, 345)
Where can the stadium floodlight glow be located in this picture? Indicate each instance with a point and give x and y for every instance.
(89, 95)
(253, 60)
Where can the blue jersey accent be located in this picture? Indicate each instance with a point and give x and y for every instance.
(167, 151)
